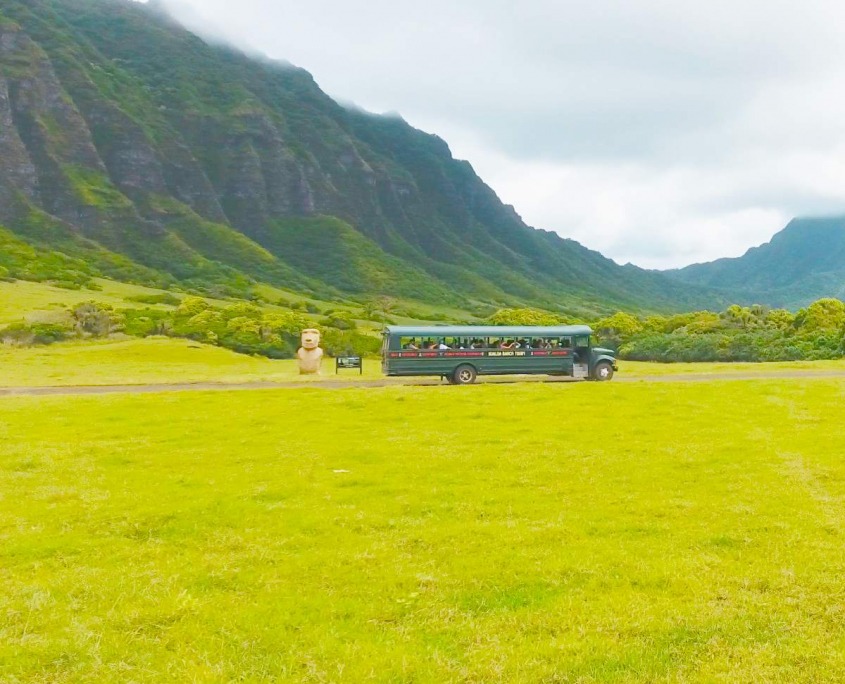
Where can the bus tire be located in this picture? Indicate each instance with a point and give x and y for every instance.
(603, 372)
(464, 375)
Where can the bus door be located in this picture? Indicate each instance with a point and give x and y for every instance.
(385, 346)
(581, 357)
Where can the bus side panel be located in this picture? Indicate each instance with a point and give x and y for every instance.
(490, 363)
(437, 366)
(525, 365)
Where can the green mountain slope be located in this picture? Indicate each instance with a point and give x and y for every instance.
(199, 164)
(802, 263)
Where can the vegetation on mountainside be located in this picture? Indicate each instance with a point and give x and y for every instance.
(72, 263)
(802, 263)
(200, 165)
(271, 327)
(240, 326)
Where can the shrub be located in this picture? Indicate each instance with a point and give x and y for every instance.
(22, 334)
(96, 320)
(163, 298)
(146, 322)
(349, 343)
(341, 320)
(191, 306)
(520, 317)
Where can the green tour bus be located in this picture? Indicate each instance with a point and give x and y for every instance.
(461, 353)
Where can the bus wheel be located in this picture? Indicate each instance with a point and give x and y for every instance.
(464, 375)
(603, 372)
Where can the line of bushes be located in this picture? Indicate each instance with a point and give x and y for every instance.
(739, 333)
(754, 333)
(242, 327)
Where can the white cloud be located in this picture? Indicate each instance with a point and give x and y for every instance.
(660, 132)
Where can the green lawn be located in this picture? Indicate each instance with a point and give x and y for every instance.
(154, 360)
(21, 299)
(38, 302)
(647, 369)
(675, 532)
(24, 300)
(134, 362)
(165, 360)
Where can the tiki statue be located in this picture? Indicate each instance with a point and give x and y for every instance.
(310, 355)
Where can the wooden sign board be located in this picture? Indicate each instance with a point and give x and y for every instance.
(347, 362)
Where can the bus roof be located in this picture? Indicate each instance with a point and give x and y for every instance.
(487, 330)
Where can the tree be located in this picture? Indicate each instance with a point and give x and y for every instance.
(738, 316)
(703, 322)
(191, 306)
(620, 325)
(288, 322)
(242, 310)
(824, 314)
(97, 320)
(378, 308)
(206, 325)
(342, 320)
(781, 319)
(524, 317)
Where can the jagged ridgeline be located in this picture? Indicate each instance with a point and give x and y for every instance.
(800, 264)
(131, 148)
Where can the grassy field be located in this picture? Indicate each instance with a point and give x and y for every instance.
(151, 361)
(676, 532)
(135, 362)
(646, 369)
(22, 299)
(165, 360)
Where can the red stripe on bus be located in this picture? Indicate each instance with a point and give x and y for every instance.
(473, 354)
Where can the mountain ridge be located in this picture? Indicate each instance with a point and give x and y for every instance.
(803, 262)
(136, 145)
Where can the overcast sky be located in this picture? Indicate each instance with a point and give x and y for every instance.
(660, 132)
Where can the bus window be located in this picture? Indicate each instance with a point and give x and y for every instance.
(566, 342)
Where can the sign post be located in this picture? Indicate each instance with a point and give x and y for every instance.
(347, 362)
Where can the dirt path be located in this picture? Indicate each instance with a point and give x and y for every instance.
(396, 382)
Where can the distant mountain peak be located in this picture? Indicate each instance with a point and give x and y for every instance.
(800, 264)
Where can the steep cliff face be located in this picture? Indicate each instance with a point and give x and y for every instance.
(123, 134)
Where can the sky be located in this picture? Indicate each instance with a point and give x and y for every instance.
(661, 132)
